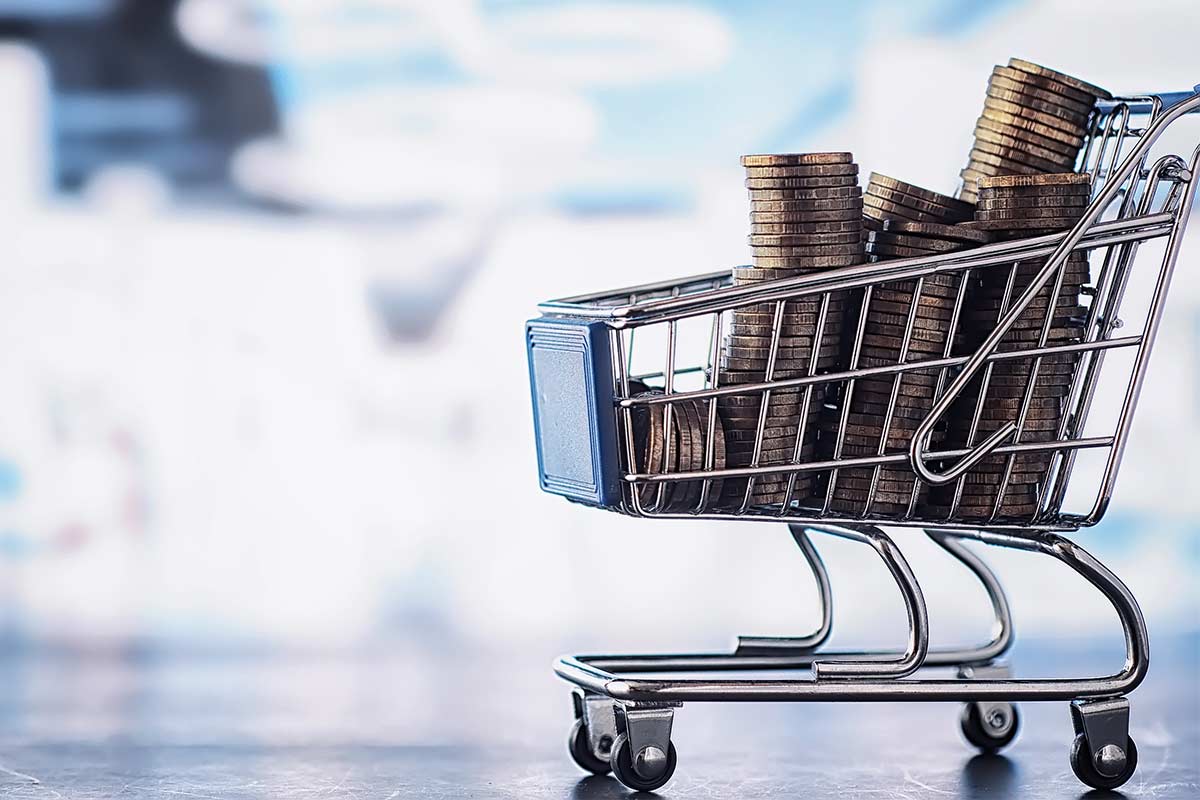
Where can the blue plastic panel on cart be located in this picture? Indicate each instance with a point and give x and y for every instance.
(574, 420)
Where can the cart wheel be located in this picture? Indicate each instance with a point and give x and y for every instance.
(581, 750)
(990, 731)
(623, 765)
(1084, 767)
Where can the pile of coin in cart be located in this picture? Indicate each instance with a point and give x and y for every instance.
(809, 213)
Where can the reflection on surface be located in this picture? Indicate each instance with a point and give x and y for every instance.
(990, 776)
(594, 787)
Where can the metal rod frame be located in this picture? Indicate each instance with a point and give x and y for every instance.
(614, 676)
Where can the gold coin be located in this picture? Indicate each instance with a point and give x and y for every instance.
(796, 159)
(1061, 77)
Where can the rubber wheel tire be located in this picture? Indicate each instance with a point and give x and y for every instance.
(581, 750)
(622, 767)
(978, 734)
(1081, 765)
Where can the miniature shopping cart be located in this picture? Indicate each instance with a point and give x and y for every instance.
(589, 382)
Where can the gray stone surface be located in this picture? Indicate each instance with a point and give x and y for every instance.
(418, 719)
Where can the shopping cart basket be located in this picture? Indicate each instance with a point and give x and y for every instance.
(590, 389)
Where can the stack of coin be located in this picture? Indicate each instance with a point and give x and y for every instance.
(888, 198)
(909, 401)
(901, 238)
(1034, 121)
(1009, 207)
(806, 216)
(685, 450)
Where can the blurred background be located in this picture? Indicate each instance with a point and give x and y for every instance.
(266, 265)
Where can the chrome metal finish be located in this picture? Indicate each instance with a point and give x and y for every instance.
(599, 715)
(608, 675)
(792, 645)
(649, 732)
(1115, 179)
(914, 605)
(1105, 723)
(998, 716)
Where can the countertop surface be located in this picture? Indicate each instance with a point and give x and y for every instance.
(421, 719)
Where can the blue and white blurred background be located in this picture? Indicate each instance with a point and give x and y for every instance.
(265, 266)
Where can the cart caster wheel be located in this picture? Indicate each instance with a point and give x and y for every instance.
(990, 726)
(1118, 765)
(660, 764)
(581, 750)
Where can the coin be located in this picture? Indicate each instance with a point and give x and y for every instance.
(809, 251)
(930, 298)
(894, 338)
(883, 500)
(1059, 77)
(791, 364)
(905, 240)
(736, 417)
(935, 338)
(1020, 122)
(894, 251)
(691, 455)
(1041, 118)
(803, 171)
(805, 214)
(883, 385)
(1053, 179)
(789, 322)
(699, 413)
(797, 266)
(851, 194)
(1001, 155)
(777, 228)
(902, 308)
(879, 208)
(887, 482)
(770, 269)
(1047, 149)
(777, 451)
(1071, 115)
(948, 206)
(1043, 92)
(1074, 202)
(804, 306)
(987, 129)
(1027, 212)
(734, 349)
(1010, 160)
(795, 159)
(652, 453)
(1039, 224)
(769, 432)
(1045, 83)
(802, 239)
(791, 188)
(848, 241)
(938, 231)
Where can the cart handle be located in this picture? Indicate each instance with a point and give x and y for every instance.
(1168, 100)
(920, 441)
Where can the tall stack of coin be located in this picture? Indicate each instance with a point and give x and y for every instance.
(888, 198)
(887, 317)
(1034, 121)
(1011, 207)
(806, 216)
